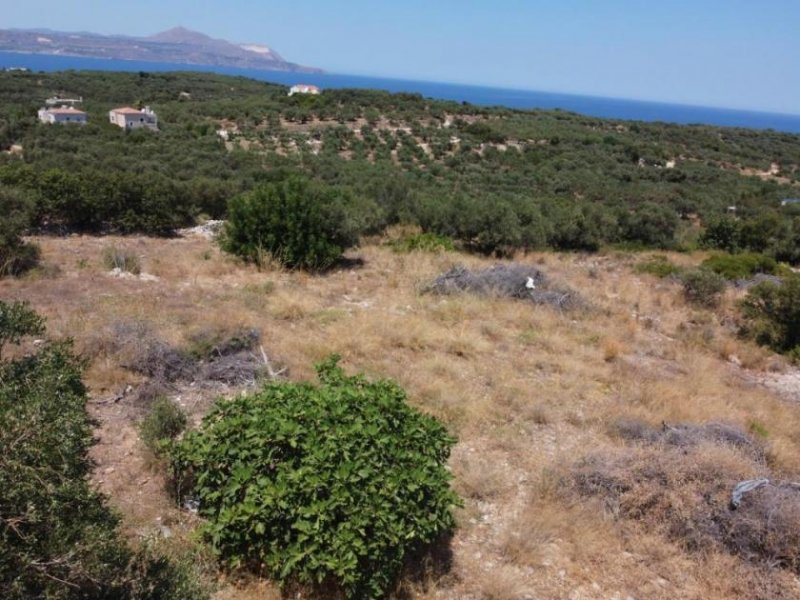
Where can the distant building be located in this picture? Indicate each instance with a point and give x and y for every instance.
(788, 201)
(133, 118)
(59, 101)
(304, 89)
(62, 114)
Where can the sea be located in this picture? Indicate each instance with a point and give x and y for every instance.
(613, 108)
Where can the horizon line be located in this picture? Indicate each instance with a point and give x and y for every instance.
(402, 79)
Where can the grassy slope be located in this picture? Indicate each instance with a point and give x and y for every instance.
(527, 390)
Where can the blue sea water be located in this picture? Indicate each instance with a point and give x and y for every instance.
(588, 105)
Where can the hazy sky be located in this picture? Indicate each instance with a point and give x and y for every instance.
(734, 53)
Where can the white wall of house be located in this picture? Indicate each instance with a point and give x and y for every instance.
(55, 116)
(145, 119)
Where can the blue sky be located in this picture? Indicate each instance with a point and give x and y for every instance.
(730, 53)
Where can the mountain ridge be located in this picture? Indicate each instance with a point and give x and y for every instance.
(177, 45)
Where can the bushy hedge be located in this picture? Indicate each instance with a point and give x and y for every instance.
(741, 266)
(296, 222)
(58, 538)
(776, 234)
(334, 483)
(93, 201)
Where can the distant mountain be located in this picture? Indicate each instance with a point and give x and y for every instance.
(178, 45)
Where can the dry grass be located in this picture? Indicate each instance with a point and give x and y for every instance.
(528, 390)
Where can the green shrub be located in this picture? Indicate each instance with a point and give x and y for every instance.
(58, 538)
(335, 483)
(165, 421)
(295, 222)
(16, 256)
(772, 314)
(660, 266)
(702, 287)
(740, 266)
(423, 242)
(650, 224)
(124, 260)
(722, 233)
(18, 320)
(485, 133)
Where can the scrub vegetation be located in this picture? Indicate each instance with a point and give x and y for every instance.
(574, 339)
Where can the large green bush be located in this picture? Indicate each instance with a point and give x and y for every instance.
(702, 287)
(741, 266)
(772, 313)
(58, 538)
(298, 223)
(335, 483)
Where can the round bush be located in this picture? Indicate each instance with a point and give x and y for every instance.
(330, 484)
(703, 287)
(294, 222)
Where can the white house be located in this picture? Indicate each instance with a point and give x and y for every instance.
(133, 118)
(303, 88)
(62, 114)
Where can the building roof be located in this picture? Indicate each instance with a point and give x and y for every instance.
(127, 110)
(67, 110)
(304, 86)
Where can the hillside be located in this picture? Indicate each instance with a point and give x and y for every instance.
(177, 45)
(552, 179)
(561, 294)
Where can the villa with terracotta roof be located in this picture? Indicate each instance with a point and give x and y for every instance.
(62, 114)
(133, 118)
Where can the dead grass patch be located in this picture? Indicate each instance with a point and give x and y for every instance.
(679, 481)
(528, 388)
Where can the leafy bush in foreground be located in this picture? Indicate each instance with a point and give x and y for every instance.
(294, 222)
(335, 483)
(58, 538)
(772, 312)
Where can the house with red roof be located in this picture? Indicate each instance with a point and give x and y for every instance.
(134, 118)
(62, 114)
